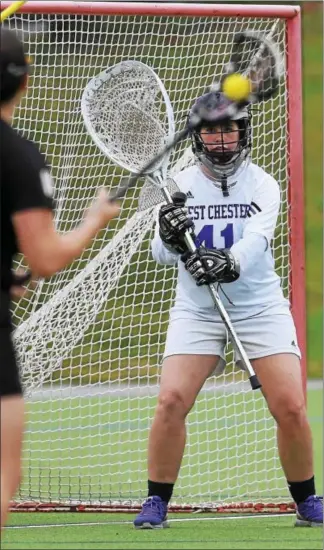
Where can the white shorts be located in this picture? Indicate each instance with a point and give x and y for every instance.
(262, 335)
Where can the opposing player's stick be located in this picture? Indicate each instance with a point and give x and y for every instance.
(128, 113)
(253, 57)
(188, 156)
(10, 10)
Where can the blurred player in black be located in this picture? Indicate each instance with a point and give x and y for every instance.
(27, 226)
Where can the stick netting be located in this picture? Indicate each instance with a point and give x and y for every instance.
(126, 109)
(91, 338)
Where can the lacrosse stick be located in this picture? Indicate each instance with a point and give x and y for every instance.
(128, 113)
(10, 10)
(254, 57)
(188, 156)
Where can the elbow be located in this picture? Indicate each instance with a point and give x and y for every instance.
(155, 253)
(162, 255)
(155, 257)
(158, 260)
(164, 259)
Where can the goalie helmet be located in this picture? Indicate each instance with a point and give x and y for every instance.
(222, 162)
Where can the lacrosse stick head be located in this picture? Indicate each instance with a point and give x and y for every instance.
(259, 60)
(128, 113)
(151, 195)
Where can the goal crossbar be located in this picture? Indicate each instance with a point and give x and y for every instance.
(157, 8)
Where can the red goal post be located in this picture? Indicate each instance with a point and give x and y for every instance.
(293, 155)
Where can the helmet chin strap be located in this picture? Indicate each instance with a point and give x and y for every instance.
(225, 182)
(225, 190)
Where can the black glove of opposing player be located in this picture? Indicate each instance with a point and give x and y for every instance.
(174, 222)
(208, 266)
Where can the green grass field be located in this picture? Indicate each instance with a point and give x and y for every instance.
(81, 446)
(116, 531)
(313, 147)
(90, 531)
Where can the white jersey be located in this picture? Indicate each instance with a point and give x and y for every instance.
(245, 222)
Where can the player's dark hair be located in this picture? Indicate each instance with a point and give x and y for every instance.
(14, 65)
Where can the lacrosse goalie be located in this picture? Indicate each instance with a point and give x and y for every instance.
(230, 205)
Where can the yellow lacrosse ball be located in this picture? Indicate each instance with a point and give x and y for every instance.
(236, 87)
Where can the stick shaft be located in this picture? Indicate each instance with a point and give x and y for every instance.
(221, 309)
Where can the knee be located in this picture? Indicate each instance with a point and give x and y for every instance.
(171, 406)
(290, 413)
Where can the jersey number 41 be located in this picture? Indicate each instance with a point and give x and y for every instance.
(205, 236)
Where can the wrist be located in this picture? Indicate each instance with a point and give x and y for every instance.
(174, 247)
(171, 249)
(91, 225)
(232, 272)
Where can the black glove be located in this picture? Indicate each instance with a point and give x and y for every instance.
(174, 222)
(211, 266)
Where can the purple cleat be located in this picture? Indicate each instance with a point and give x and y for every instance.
(153, 514)
(310, 512)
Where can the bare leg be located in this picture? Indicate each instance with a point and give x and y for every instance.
(181, 380)
(280, 376)
(12, 425)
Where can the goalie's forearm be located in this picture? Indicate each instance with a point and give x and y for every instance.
(249, 250)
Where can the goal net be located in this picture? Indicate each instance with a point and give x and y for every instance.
(90, 339)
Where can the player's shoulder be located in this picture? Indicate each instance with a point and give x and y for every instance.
(23, 163)
(260, 176)
(19, 151)
(187, 177)
(264, 188)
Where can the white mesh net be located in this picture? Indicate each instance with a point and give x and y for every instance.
(91, 338)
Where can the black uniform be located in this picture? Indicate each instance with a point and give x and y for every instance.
(25, 184)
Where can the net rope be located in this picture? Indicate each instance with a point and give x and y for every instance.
(91, 338)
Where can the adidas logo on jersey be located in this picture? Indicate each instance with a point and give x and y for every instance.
(254, 209)
(189, 195)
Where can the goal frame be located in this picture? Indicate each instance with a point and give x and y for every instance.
(292, 15)
(294, 101)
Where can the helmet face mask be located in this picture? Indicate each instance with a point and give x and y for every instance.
(219, 149)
